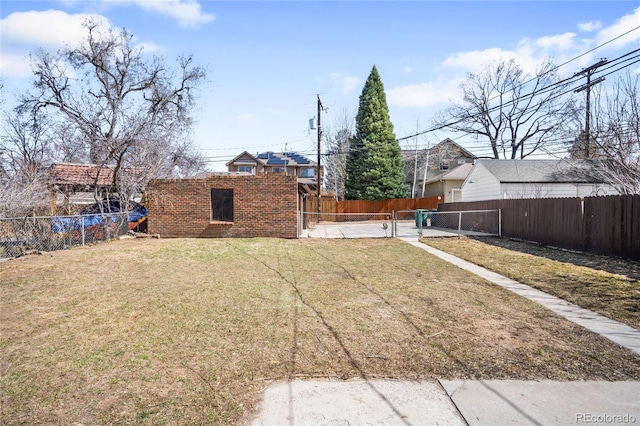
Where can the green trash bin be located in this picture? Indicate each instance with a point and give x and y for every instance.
(420, 216)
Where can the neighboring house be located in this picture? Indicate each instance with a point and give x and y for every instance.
(442, 157)
(224, 205)
(448, 184)
(505, 179)
(289, 163)
(73, 185)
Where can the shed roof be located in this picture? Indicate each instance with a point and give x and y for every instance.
(80, 174)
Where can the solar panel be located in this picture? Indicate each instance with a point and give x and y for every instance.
(277, 161)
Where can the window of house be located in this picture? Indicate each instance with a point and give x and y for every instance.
(245, 169)
(444, 165)
(277, 170)
(307, 172)
(461, 161)
(222, 205)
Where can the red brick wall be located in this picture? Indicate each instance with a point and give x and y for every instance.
(263, 206)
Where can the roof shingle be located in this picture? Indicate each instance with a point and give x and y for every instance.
(80, 175)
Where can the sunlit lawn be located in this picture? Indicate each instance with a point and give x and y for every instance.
(191, 331)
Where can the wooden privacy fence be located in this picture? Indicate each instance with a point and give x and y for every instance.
(331, 209)
(603, 225)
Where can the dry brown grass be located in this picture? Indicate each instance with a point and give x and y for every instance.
(191, 331)
(605, 285)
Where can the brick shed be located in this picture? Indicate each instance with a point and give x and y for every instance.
(224, 205)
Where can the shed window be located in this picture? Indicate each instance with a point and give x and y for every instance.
(222, 205)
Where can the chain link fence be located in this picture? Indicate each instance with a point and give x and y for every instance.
(20, 235)
(401, 223)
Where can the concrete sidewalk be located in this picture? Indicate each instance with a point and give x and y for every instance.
(449, 402)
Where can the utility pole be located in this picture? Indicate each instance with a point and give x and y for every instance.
(320, 109)
(588, 72)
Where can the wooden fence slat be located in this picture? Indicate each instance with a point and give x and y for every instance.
(609, 225)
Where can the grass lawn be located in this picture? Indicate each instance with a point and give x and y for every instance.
(191, 331)
(608, 286)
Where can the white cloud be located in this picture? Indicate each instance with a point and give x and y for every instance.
(473, 60)
(346, 83)
(623, 25)
(22, 32)
(587, 27)
(564, 41)
(349, 84)
(188, 13)
(423, 94)
(407, 69)
(52, 28)
(149, 47)
(15, 65)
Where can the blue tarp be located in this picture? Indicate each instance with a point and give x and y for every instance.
(66, 224)
(91, 216)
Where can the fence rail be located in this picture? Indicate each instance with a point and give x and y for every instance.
(18, 235)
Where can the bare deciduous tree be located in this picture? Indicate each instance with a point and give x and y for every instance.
(24, 150)
(515, 113)
(615, 137)
(118, 106)
(339, 134)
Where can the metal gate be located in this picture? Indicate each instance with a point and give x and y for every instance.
(401, 224)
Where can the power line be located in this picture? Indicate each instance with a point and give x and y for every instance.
(448, 125)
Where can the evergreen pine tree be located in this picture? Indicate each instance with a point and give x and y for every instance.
(375, 170)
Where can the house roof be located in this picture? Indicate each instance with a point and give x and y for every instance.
(540, 171)
(459, 173)
(245, 155)
(80, 174)
(269, 158)
(290, 158)
(410, 154)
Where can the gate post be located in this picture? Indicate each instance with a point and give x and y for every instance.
(393, 224)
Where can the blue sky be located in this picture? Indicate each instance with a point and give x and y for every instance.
(268, 60)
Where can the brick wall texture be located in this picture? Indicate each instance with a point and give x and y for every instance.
(263, 206)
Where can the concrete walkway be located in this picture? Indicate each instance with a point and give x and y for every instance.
(615, 331)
